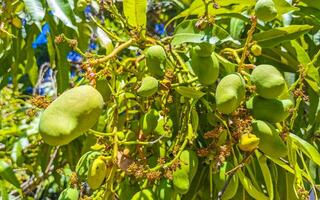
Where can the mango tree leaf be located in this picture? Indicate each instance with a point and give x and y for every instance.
(312, 3)
(136, 12)
(187, 32)
(249, 187)
(312, 74)
(283, 7)
(266, 174)
(3, 191)
(63, 11)
(306, 148)
(224, 6)
(189, 92)
(277, 36)
(36, 11)
(7, 174)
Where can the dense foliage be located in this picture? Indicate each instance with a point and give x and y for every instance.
(136, 99)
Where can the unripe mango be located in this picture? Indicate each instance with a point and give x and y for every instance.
(69, 194)
(70, 115)
(155, 60)
(149, 121)
(268, 80)
(256, 50)
(230, 93)
(203, 49)
(265, 10)
(271, 110)
(184, 175)
(145, 194)
(248, 142)
(97, 172)
(149, 87)
(205, 68)
(270, 141)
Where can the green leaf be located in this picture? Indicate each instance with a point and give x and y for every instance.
(266, 173)
(3, 191)
(63, 11)
(312, 3)
(277, 36)
(189, 92)
(136, 12)
(36, 11)
(187, 32)
(283, 7)
(7, 174)
(249, 187)
(306, 148)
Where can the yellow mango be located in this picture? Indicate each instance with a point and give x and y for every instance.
(230, 93)
(70, 115)
(97, 172)
(248, 142)
(268, 80)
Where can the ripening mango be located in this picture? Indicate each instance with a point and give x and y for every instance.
(270, 141)
(149, 87)
(230, 93)
(268, 80)
(271, 110)
(70, 115)
(265, 10)
(69, 194)
(248, 142)
(155, 60)
(205, 68)
(183, 176)
(97, 172)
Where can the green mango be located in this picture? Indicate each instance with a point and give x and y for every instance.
(145, 194)
(164, 129)
(155, 60)
(248, 142)
(265, 10)
(203, 49)
(165, 190)
(270, 141)
(103, 88)
(97, 172)
(268, 80)
(183, 176)
(127, 190)
(69, 194)
(70, 115)
(230, 93)
(149, 87)
(271, 110)
(205, 68)
(149, 121)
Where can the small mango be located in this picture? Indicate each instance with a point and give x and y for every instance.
(183, 176)
(203, 49)
(145, 194)
(70, 115)
(265, 10)
(248, 142)
(97, 172)
(256, 50)
(271, 110)
(268, 80)
(149, 87)
(230, 93)
(69, 194)
(270, 141)
(205, 68)
(149, 121)
(155, 60)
